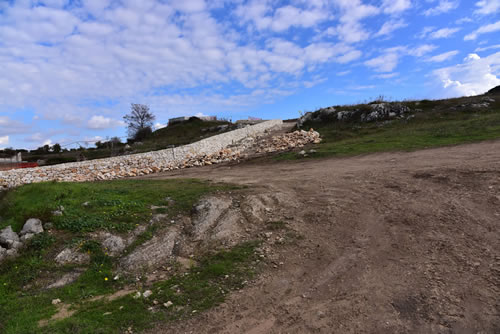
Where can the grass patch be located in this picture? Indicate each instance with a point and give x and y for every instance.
(430, 128)
(201, 288)
(112, 205)
(122, 205)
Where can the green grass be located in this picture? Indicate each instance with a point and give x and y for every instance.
(183, 133)
(435, 126)
(24, 300)
(201, 288)
(112, 205)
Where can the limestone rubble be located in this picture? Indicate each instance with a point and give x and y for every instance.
(225, 147)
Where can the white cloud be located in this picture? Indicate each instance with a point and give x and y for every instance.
(490, 47)
(101, 122)
(443, 33)
(432, 33)
(386, 75)
(262, 15)
(395, 6)
(442, 57)
(464, 20)
(4, 140)
(422, 50)
(444, 6)
(487, 7)
(474, 76)
(341, 74)
(384, 63)
(159, 125)
(350, 29)
(390, 26)
(483, 30)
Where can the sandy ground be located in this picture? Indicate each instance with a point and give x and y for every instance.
(392, 243)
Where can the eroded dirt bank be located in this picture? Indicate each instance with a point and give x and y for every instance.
(390, 243)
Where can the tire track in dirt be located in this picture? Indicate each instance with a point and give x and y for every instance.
(392, 242)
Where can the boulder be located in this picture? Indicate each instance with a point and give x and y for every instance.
(11, 252)
(69, 255)
(8, 237)
(113, 244)
(33, 226)
(26, 237)
(152, 253)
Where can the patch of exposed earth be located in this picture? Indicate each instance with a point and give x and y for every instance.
(382, 243)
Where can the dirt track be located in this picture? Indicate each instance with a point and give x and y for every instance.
(393, 243)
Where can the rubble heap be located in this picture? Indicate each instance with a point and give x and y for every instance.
(288, 141)
(210, 150)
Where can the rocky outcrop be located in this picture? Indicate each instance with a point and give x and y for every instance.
(364, 113)
(72, 256)
(152, 253)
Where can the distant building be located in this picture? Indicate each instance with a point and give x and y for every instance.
(18, 158)
(186, 118)
(249, 121)
(177, 120)
(208, 118)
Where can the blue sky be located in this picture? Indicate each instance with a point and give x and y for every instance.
(70, 69)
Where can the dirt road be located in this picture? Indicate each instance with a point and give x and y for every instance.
(392, 243)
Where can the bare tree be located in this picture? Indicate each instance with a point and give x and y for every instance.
(139, 120)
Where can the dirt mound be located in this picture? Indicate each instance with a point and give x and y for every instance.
(385, 243)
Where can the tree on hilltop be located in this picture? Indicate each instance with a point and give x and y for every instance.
(139, 121)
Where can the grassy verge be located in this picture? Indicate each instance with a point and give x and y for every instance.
(118, 206)
(113, 205)
(429, 128)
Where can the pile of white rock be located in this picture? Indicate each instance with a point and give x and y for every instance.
(207, 151)
(11, 242)
(288, 141)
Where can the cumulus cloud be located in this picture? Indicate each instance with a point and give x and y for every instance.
(101, 122)
(443, 6)
(483, 30)
(475, 75)
(487, 7)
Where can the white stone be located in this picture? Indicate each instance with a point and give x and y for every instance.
(33, 226)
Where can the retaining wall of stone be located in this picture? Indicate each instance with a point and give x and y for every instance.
(134, 164)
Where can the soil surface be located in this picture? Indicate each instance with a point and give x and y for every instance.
(389, 243)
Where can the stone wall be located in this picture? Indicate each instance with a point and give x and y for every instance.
(134, 164)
